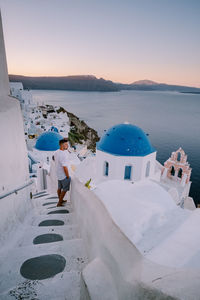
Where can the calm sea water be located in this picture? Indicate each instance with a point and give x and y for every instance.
(171, 119)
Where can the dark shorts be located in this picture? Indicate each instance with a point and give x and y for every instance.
(64, 184)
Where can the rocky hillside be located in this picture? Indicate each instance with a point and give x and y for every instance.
(80, 131)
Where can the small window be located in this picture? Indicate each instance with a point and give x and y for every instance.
(148, 169)
(106, 168)
(180, 172)
(127, 172)
(179, 156)
(172, 171)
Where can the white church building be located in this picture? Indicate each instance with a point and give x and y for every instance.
(125, 152)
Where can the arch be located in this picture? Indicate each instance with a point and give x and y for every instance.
(178, 156)
(147, 169)
(106, 168)
(172, 171)
(128, 172)
(180, 173)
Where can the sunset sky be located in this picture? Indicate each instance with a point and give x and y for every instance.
(124, 41)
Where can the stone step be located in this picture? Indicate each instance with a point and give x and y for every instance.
(68, 219)
(68, 232)
(63, 286)
(43, 210)
(72, 251)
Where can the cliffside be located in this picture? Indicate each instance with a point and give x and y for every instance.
(80, 131)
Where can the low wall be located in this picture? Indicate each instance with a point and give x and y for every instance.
(14, 156)
(14, 208)
(110, 252)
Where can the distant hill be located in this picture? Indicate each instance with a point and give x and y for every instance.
(144, 82)
(74, 83)
(91, 83)
(148, 85)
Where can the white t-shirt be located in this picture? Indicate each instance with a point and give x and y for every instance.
(61, 160)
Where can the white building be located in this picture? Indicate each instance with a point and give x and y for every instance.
(24, 96)
(45, 146)
(125, 152)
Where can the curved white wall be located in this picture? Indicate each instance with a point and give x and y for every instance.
(117, 270)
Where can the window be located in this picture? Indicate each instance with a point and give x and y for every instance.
(180, 172)
(106, 168)
(148, 169)
(127, 172)
(179, 156)
(172, 171)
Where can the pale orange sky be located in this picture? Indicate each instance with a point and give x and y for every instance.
(122, 41)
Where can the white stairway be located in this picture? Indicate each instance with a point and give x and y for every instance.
(28, 264)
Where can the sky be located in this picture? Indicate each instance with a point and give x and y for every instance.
(119, 40)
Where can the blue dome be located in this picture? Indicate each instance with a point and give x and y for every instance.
(53, 128)
(48, 141)
(125, 140)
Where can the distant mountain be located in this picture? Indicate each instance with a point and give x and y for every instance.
(74, 83)
(148, 85)
(144, 82)
(91, 83)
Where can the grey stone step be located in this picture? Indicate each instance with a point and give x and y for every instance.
(68, 232)
(64, 286)
(67, 218)
(73, 252)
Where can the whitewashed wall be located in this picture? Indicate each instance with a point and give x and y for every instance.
(116, 269)
(13, 155)
(117, 166)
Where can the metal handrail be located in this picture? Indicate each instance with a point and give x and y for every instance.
(17, 189)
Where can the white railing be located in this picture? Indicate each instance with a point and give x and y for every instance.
(21, 187)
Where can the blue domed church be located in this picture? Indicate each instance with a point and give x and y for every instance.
(46, 144)
(125, 152)
(48, 141)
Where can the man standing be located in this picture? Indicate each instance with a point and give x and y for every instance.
(62, 163)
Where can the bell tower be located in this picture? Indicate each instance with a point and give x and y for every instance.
(177, 168)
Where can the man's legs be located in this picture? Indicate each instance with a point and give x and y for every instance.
(63, 187)
(58, 192)
(61, 197)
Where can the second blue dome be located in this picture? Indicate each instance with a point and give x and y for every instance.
(48, 141)
(125, 140)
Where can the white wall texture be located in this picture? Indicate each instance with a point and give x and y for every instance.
(4, 82)
(115, 259)
(117, 165)
(13, 153)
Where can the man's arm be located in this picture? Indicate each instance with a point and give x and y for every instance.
(66, 171)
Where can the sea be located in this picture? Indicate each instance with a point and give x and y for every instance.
(171, 119)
